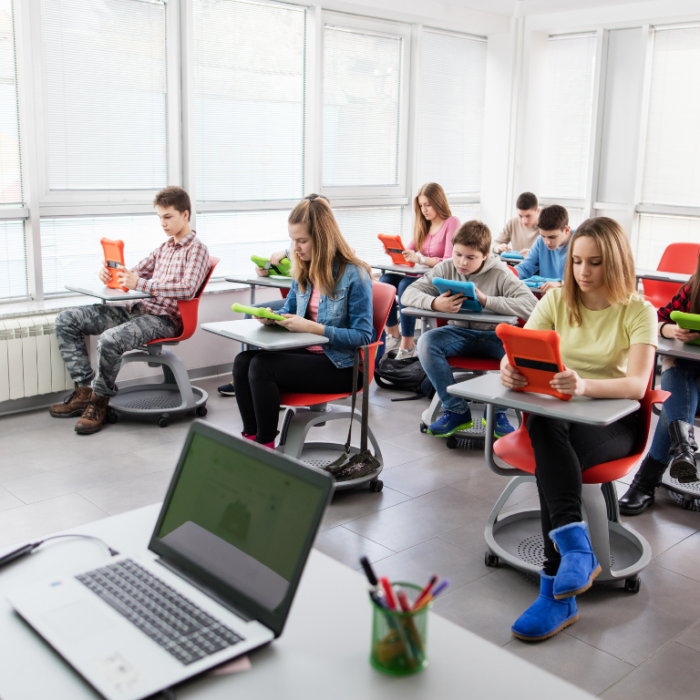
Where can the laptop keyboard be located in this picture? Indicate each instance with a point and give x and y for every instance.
(179, 626)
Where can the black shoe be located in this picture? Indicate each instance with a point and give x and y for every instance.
(683, 447)
(227, 389)
(640, 494)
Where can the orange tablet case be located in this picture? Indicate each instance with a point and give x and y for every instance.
(393, 245)
(536, 356)
(114, 256)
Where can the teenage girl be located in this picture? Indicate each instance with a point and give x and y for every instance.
(432, 236)
(674, 438)
(608, 339)
(331, 296)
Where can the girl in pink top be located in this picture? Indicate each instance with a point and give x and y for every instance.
(432, 236)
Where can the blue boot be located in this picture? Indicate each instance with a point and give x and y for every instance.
(578, 565)
(546, 616)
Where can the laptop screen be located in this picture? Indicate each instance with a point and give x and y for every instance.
(235, 514)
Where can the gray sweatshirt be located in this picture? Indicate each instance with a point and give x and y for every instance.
(505, 293)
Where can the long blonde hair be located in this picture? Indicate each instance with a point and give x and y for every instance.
(329, 246)
(438, 200)
(618, 265)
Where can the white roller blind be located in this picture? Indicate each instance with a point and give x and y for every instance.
(657, 231)
(104, 63)
(13, 260)
(361, 226)
(451, 111)
(362, 85)
(567, 112)
(249, 100)
(10, 181)
(672, 155)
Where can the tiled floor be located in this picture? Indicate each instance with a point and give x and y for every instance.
(429, 518)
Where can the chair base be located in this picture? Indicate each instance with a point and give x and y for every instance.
(689, 493)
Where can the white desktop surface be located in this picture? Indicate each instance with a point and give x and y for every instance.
(476, 316)
(265, 281)
(675, 348)
(322, 653)
(252, 332)
(102, 291)
(658, 275)
(401, 269)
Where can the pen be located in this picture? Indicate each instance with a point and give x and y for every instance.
(440, 587)
(425, 591)
(369, 571)
(388, 592)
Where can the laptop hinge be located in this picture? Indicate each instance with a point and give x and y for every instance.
(205, 589)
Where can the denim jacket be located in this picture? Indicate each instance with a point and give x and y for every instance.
(346, 314)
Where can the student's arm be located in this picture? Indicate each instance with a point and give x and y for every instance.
(531, 265)
(185, 287)
(422, 292)
(452, 225)
(145, 268)
(290, 303)
(501, 242)
(360, 328)
(516, 298)
(275, 258)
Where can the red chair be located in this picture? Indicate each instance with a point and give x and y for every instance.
(516, 537)
(678, 257)
(174, 395)
(313, 409)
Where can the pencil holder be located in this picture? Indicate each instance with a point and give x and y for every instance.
(399, 638)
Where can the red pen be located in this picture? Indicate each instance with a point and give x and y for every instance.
(388, 592)
(403, 601)
(425, 591)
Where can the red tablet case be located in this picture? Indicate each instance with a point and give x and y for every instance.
(114, 256)
(393, 245)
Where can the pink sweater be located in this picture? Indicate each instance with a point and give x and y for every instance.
(313, 315)
(439, 244)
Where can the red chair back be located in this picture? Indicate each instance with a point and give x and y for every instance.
(678, 257)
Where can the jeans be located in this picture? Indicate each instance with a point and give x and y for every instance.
(434, 347)
(681, 405)
(408, 323)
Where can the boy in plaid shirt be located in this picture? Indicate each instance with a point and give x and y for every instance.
(175, 270)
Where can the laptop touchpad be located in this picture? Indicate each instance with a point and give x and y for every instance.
(78, 621)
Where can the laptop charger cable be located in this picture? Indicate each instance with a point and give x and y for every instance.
(29, 548)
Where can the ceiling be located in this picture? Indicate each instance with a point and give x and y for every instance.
(531, 7)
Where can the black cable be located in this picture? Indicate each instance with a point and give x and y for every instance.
(112, 551)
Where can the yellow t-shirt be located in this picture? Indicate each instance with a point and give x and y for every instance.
(599, 347)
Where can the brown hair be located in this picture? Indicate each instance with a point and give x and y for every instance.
(618, 265)
(329, 246)
(474, 234)
(526, 201)
(438, 200)
(553, 218)
(693, 285)
(174, 197)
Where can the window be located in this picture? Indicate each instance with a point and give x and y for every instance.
(13, 257)
(105, 81)
(10, 181)
(566, 130)
(249, 101)
(657, 231)
(360, 227)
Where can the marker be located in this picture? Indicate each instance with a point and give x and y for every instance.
(388, 592)
(403, 601)
(369, 571)
(425, 591)
(440, 587)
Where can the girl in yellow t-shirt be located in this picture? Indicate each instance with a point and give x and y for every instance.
(608, 339)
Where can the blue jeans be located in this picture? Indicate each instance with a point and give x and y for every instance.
(434, 347)
(408, 323)
(681, 405)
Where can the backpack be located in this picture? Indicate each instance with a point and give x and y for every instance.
(403, 375)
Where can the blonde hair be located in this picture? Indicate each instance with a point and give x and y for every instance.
(618, 265)
(329, 246)
(438, 200)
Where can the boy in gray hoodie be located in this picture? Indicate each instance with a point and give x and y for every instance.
(498, 291)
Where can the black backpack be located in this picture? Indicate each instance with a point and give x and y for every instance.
(403, 375)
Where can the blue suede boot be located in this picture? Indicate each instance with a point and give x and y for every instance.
(578, 565)
(546, 616)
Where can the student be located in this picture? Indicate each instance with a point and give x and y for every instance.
(498, 291)
(521, 232)
(331, 296)
(547, 257)
(674, 437)
(175, 270)
(608, 339)
(432, 236)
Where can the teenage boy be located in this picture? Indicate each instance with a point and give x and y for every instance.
(497, 289)
(547, 257)
(175, 270)
(521, 232)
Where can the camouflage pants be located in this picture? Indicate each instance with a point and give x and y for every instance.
(120, 330)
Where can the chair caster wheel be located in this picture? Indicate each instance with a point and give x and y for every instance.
(202, 411)
(164, 420)
(491, 559)
(112, 417)
(451, 443)
(686, 504)
(632, 585)
(376, 486)
(423, 427)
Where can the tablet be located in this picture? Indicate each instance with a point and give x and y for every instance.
(536, 356)
(512, 255)
(114, 257)
(688, 321)
(470, 302)
(283, 267)
(393, 246)
(535, 282)
(257, 311)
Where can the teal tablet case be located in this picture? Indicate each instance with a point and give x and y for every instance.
(470, 302)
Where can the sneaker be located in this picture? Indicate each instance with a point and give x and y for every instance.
(391, 343)
(502, 427)
(403, 354)
(227, 389)
(449, 423)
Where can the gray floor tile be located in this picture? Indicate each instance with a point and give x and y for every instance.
(8, 500)
(691, 637)
(683, 558)
(41, 459)
(469, 536)
(489, 486)
(123, 496)
(162, 456)
(353, 504)
(347, 547)
(421, 443)
(22, 422)
(395, 456)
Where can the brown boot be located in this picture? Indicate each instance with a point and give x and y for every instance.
(94, 415)
(72, 405)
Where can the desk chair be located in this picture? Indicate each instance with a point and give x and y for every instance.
(174, 395)
(516, 538)
(678, 257)
(313, 410)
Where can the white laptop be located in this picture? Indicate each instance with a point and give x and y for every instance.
(217, 580)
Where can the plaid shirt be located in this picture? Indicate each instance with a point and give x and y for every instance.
(680, 302)
(172, 271)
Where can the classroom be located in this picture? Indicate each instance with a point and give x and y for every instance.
(349, 349)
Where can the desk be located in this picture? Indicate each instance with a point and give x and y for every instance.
(252, 332)
(659, 276)
(418, 270)
(323, 651)
(103, 292)
(675, 348)
(479, 317)
(276, 282)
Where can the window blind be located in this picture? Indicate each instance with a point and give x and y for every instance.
(249, 100)
(567, 113)
(360, 227)
(362, 85)
(671, 172)
(13, 260)
(104, 64)
(10, 181)
(657, 231)
(451, 111)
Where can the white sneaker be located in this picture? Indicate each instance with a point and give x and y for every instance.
(404, 354)
(391, 343)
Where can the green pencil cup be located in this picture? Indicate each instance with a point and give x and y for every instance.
(399, 638)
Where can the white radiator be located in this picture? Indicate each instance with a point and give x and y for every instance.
(30, 363)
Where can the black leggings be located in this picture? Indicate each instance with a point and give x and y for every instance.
(563, 450)
(261, 375)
